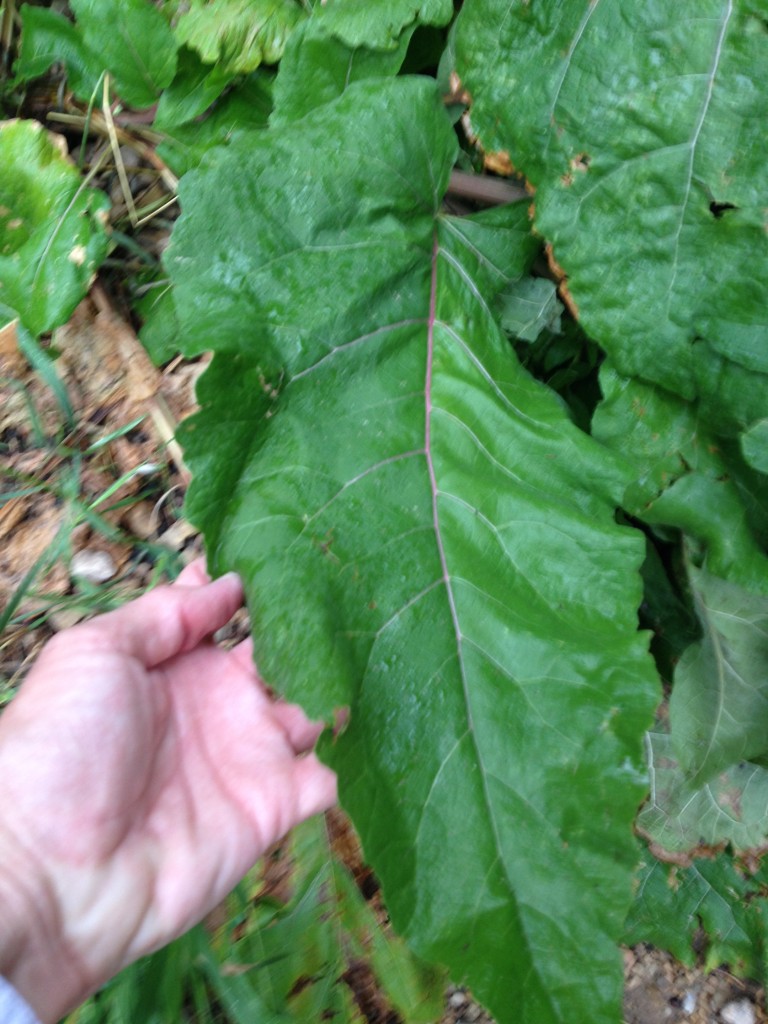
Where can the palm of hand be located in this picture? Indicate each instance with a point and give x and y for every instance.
(168, 768)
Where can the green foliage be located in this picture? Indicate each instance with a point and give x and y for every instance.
(642, 133)
(680, 816)
(239, 35)
(48, 37)
(530, 307)
(716, 903)
(52, 228)
(320, 935)
(246, 106)
(380, 26)
(193, 89)
(443, 512)
(686, 476)
(719, 703)
(415, 456)
(317, 67)
(134, 42)
(301, 944)
(754, 445)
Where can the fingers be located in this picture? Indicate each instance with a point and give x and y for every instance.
(315, 787)
(302, 734)
(169, 620)
(193, 575)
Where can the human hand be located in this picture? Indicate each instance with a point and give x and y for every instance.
(144, 770)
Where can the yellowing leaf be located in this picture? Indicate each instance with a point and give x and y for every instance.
(239, 35)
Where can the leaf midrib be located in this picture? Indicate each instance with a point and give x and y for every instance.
(446, 580)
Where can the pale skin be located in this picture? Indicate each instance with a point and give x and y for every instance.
(143, 771)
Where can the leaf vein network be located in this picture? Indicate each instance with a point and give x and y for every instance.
(693, 142)
(352, 344)
(492, 385)
(449, 224)
(446, 578)
(481, 447)
(400, 457)
(408, 604)
(523, 688)
(466, 277)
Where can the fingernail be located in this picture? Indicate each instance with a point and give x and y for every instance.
(232, 577)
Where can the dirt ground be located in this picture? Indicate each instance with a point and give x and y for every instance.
(115, 495)
(658, 990)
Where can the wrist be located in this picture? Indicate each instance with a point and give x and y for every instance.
(33, 951)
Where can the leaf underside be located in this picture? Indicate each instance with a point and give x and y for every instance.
(425, 538)
(681, 817)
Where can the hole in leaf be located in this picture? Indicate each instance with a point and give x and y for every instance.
(581, 162)
(718, 209)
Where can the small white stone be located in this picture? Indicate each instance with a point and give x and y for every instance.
(741, 1011)
(92, 565)
(689, 1002)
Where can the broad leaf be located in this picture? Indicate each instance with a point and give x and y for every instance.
(245, 107)
(316, 68)
(673, 904)
(239, 35)
(133, 42)
(680, 817)
(52, 228)
(641, 127)
(380, 26)
(530, 307)
(424, 537)
(160, 331)
(687, 477)
(719, 703)
(192, 91)
(48, 38)
(754, 445)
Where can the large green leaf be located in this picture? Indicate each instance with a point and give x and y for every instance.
(244, 108)
(133, 41)
(424, 537)
(48, 38)
(719, 703)
(641, 126)
(52, 228)
(705, 788)
(316, 68)
(192, 91)
(754, 445)
(687, 477)
(380, 25)
(673, 904)
(239, 35)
